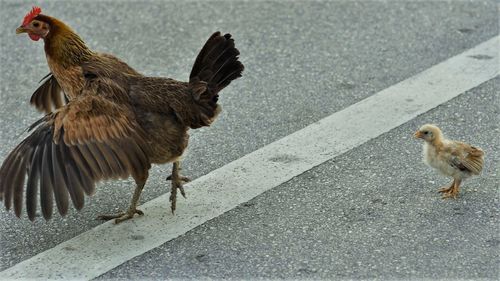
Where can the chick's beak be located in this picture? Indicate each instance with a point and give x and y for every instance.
(21, 29)
(418, 135)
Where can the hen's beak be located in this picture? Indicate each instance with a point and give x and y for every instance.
(21, 29)
(418, 135)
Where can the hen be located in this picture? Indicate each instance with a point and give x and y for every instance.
(113, 123)
(452, 158)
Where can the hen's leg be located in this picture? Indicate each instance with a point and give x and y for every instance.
(132, 209)
(183, 178)
(177, 182)
(453, 191)
(446, 189)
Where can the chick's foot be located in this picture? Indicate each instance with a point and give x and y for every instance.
(445, 189)
(452, 193)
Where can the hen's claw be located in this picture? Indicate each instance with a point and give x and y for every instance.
(181, 178)
(177, 182)
(173, 194)
(121, 216)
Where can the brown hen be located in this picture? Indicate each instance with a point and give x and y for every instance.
(107, 121)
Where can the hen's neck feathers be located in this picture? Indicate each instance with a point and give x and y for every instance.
(63, 45)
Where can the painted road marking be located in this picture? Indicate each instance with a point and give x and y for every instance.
(106, 246)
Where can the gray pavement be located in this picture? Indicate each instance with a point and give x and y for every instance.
(304, 61)
(373, 212)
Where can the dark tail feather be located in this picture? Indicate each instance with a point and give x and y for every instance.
(215, 67)
(216, 60)
(217, 63)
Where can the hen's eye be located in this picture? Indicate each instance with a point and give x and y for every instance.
(36, 24)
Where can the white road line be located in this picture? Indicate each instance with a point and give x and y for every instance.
(106, 246)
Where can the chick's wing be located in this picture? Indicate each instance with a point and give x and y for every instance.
(467, 158)
(93, 137)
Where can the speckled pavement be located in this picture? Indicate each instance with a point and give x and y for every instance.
(370, 213)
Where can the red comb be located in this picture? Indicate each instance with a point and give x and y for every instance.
(32, 14)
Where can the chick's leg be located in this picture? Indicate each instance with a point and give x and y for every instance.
(453, 193)
(446, 188)
(132, 209)
(177, 182)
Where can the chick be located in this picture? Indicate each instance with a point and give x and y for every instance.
(452, 158)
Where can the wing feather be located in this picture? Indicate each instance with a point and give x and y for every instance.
(46, 183)
(467, 158)
(87, 174)
(49, 95)
(18, 184)
(60, 192)
(93, 137)
(32, 184)
(71, 177)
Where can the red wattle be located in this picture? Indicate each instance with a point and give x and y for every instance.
(34, 37)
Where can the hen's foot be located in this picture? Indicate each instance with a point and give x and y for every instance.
(181, 178)
(121, 216)
(176, 184)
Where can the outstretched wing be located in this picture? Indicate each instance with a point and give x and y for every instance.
(467, 158)
(93, 137)
(49, 96)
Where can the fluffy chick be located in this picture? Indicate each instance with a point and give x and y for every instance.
(452, 158)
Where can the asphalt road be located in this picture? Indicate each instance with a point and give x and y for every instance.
(373, 212)
(370, 213)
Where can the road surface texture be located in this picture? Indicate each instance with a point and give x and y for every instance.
(370, 212)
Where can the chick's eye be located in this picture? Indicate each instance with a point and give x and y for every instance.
(425, 133)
